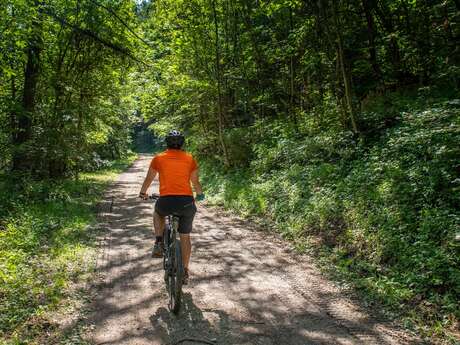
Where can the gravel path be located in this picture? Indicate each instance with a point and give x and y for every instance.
(246, 287)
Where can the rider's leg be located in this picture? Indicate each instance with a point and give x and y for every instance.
(158, 224)
(185, 228)
(186, 247)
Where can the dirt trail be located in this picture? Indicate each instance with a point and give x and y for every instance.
(246, 287)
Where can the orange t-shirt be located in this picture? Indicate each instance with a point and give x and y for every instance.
(174, 168)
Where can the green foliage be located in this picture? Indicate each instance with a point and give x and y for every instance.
(302, 66)
(333, 119)
(386, 212)
(46, 244)
(68, 106)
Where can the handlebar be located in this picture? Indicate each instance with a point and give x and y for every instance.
(154, 196)
(157, 196)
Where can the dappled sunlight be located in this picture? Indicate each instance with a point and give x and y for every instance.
(245, 287)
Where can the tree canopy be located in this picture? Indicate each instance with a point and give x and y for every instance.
(65, 99)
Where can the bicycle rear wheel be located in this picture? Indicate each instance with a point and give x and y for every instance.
(175, 280)
(167, 255)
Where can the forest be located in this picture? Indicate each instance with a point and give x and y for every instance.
(335, 122)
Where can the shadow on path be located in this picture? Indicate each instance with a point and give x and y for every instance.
(244, 290)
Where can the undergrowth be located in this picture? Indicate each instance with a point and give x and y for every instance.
(380, 210)
(46, 245)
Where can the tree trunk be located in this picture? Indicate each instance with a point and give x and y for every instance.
(220, 116)
(259, 63)
(385, 14)
(291, 77)
(367, 6)
(23, 130)
(13, 111)
(346, 75)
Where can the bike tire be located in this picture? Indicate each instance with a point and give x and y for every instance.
(175, 283)
(167, 241)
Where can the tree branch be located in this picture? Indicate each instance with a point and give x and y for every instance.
(108, 9)
(95, 37)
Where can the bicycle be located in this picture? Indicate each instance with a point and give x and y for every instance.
(172, 261)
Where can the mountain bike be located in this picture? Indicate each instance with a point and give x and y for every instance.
(172, 261)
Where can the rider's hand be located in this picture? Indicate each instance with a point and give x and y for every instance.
(143, 196)
(199, 197)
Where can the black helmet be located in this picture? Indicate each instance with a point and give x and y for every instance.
(174, 140)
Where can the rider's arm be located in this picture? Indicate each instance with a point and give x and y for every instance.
(194, 178)
(148, 180)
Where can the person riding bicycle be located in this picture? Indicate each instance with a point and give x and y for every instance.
(177, 170)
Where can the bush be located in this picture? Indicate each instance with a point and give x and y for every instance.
(386, 206)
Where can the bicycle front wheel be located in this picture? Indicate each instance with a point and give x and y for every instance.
(175, 280)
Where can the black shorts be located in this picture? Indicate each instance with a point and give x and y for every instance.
(180, 205)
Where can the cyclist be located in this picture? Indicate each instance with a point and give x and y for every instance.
(176, 170)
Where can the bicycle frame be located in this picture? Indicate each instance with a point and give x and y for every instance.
(170, 236)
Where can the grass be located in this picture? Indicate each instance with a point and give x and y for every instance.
(46, 248)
